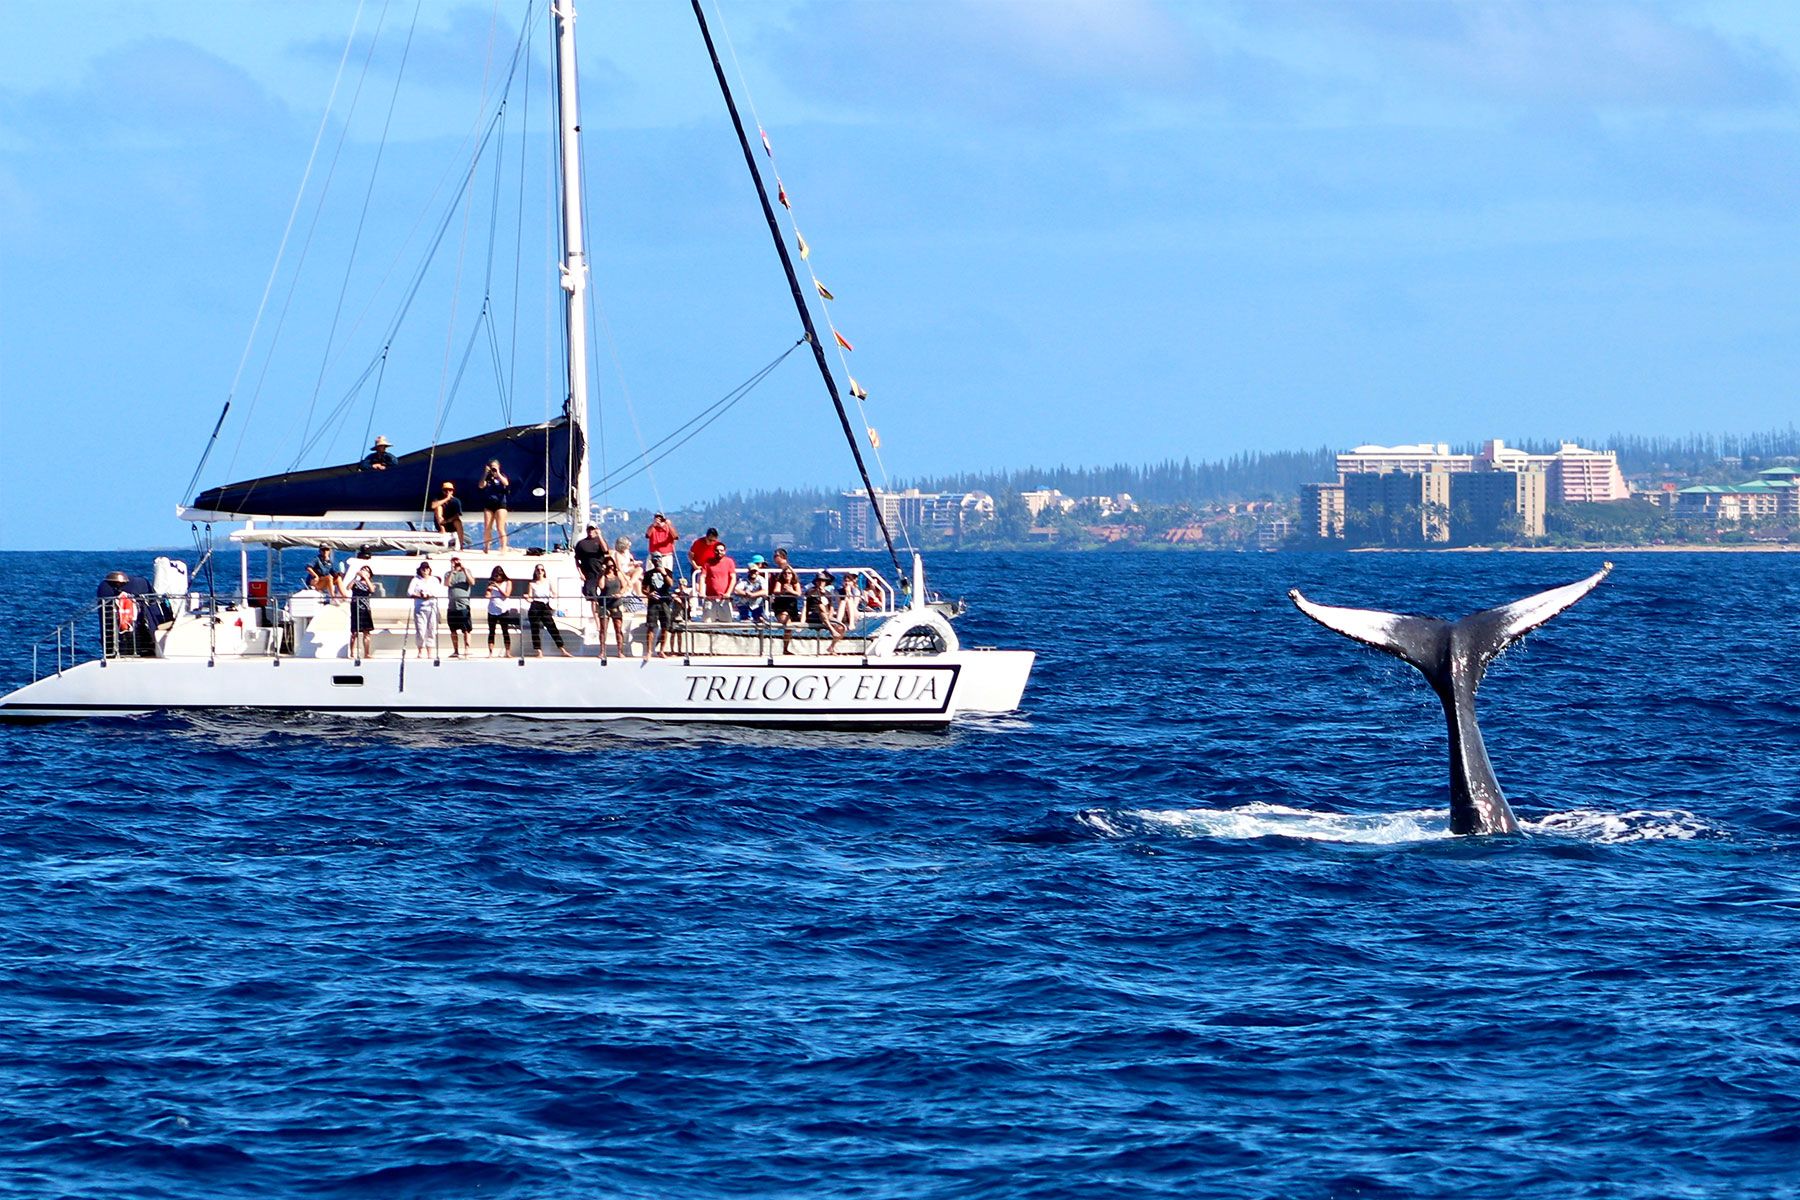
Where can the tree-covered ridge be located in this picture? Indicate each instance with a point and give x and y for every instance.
(1254, 475)
(1691, 454)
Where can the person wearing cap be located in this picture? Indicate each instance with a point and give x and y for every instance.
(590, 558)
(378, 458)
(447, 511)
(116, 584)
(661, 537)
(753, 592)
(718, 579)
(459, 619)
(659, 606)
(494, 489)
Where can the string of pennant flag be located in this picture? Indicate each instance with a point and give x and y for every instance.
(843, 343)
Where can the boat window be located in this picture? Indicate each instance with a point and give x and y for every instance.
(346, 680)
(920, 639)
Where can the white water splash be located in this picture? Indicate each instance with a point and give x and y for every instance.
(1251, 821)
(1610, 828)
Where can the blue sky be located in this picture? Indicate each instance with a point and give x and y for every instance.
(1059, 231)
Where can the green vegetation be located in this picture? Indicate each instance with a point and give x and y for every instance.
(1242, 502)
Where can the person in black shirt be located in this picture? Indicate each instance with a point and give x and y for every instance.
(590, 558)
(659, 604)
(378, 458)
(448, 511)
(494, 489)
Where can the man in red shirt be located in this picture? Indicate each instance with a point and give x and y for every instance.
(700, 554)
(720, 578)
(661, 537)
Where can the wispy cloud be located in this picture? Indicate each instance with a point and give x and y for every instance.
(156, 92)
(1599, 53)
(1034, 61)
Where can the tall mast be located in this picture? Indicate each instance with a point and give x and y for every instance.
(574, 261)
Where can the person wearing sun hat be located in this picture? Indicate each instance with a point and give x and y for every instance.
(378, 458)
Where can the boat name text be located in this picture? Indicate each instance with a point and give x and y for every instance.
(869, 687)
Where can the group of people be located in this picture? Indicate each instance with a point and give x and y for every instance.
(495, 490)
(768, 594)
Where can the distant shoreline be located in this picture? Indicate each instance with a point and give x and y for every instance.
(1779, 548)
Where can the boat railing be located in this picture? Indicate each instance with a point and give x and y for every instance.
(115, 631)
(886, 599)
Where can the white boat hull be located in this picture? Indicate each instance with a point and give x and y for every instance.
(922, 691)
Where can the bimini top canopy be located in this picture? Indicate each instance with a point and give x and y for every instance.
(536, 460)
(400, 540)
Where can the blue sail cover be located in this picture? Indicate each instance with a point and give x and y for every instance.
(538, 459)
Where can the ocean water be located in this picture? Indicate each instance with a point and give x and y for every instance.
(1190, 925)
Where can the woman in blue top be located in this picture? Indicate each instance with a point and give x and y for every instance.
(494, 490)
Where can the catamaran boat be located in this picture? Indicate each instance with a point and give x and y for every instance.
(178, 643)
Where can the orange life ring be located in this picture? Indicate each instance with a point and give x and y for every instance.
(128, 611)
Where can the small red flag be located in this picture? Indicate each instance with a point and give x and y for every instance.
(781, 194)
(840, 340)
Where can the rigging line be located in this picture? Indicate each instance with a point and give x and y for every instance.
(742, 390)
(379, 376)
(362, 217)
(718, 407)
(637, 429)
(462, 368)
(499, 366)
(312, 229)
(462, 250)
(787, 264)
(512, 376)
(275, 268)
(793, 222)
(339, 409)
(450, 172)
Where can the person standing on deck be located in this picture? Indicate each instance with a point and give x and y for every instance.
(659, 607)
(590, 553)
(609, 605)
(362, 616)
(720, 578)
(661, 538)
(542, 613)
(457, 585)
(501, 615)
(495, 488)
(700, 554)
(424, 591)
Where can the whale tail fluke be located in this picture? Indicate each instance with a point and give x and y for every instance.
(1493, 630)
(1453, 656)
(1425, 642)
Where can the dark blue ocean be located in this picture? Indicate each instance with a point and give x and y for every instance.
(1190, 925)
